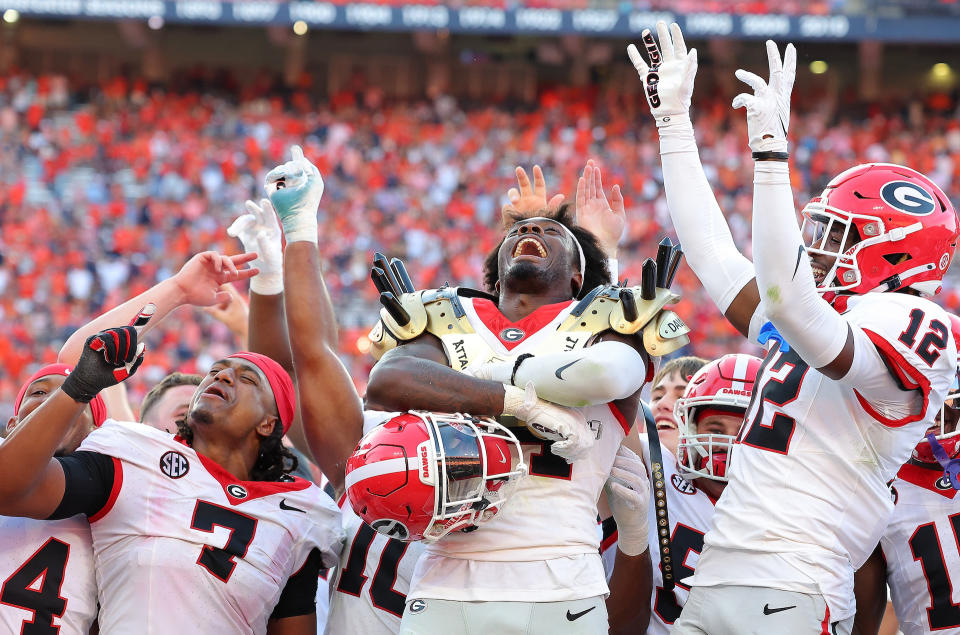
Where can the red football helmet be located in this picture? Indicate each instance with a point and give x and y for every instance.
(907, 227)
(723, 386)
(949, 434)
(421, 475)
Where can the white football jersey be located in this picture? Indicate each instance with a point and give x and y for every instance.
(46, 576)
(807, 498)
(369, 589)
(507, 558)
(184, 547)
(920, 546)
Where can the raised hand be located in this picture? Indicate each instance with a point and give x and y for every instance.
(234, 313)
(605, 220)
(768, 108)
(295, 189)
(259, 232)
(528, 201)
(200, 279)
(108, 357)
(668, 78)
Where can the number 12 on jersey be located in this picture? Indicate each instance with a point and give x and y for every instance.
(782, 374)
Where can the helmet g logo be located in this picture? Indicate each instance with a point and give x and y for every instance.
(908, 197)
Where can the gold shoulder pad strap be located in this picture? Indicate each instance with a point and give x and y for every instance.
(436, 311)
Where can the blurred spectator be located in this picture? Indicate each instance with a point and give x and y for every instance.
(103, 195)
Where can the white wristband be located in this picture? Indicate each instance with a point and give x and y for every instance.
(267, 283)
(513, 398)
(613, 266)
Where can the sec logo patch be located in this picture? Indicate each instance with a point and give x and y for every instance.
(682, 485)
(174, 464)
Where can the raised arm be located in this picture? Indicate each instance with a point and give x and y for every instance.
(821, 336)
(198, 282)
(726, 274)
(330, 407)
(32, 482)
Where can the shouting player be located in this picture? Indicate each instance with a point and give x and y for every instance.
(538, 559)
(858, 367)
(58, 553)
(212, 508)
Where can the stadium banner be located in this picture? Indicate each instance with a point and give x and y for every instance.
(491, 20)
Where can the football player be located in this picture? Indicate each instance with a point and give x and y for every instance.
(166, 404)
(213, 508)
(668, 386)
(918, 553)
(710, 414)
(526, 350)
(859, 363)
(56, 554)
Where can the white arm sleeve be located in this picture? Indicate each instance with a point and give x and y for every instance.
(784, 278)
(601, 373)
(701, 227)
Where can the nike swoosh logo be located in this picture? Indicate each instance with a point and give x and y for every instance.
(769, 611)
(800, 254)
(560, 370)
(283, 505)
(503, 458)
(575, 616)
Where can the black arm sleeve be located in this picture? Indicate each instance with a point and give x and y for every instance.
(88, 480)
(299, 597)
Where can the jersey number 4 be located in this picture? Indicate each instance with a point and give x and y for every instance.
(925, 547)
(781, 374)
(35, 587)
(382, 593)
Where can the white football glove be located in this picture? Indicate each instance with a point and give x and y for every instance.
(566, 427)
(295, 189)
(628, 494)
(768, 108)
(259, 232)
(668, 80)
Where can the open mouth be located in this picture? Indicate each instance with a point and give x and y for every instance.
(819, 273)
(215, 391)
(529, 247)
(665, 423)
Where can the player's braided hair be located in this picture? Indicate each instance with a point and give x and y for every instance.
(595, 260)
(274, 461)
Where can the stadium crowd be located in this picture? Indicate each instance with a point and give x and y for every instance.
(109, 189)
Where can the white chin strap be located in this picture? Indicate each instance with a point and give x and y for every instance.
(583, 261)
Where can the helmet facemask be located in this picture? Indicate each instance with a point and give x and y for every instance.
(470, 488)
(705, 455)
(819, 222)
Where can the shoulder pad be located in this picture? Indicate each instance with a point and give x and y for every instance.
(436, 311)
(608, 308)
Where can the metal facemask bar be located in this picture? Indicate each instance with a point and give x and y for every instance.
(818, 222)
(692, 444)
(466, 472)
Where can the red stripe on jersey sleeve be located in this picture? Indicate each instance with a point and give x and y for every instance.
(908, 376)
(114, 491)
(620, 418)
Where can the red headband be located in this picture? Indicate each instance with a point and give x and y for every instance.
(97, 407)
(280, 384)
